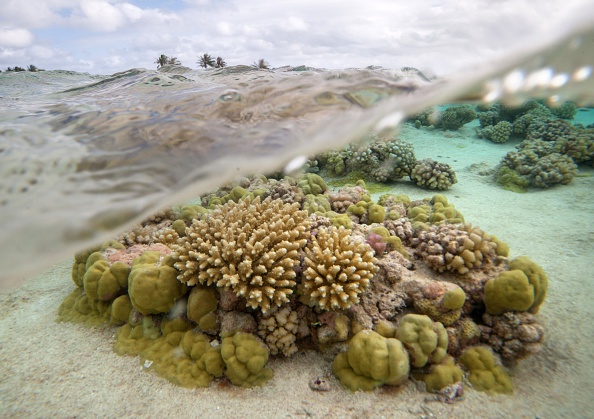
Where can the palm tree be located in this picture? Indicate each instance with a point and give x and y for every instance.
(261, 64)
(220, 63)
(32, 68)
(206, 61)
(162, 60)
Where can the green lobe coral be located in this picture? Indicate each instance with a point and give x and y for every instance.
(440, 375)
(485, 375)
(103, 281)
(180, 355)
(426, 341)
(152, 285)
(202, 303)
(245, 359)
(537, 277)
(510, 291)
(371, 360)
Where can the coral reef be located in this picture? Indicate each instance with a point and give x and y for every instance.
(250, 247)
(214, 292)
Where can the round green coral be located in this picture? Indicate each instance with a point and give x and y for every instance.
(510, 291)
(245, 359)
(537, 277)
(152, 285)
(371, 360)
(425, 340)
(485, 375)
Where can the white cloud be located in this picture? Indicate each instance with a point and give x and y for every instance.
(295, 24)
(100, 15)
(15, 37)
(224, 28)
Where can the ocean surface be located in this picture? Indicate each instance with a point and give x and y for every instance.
(83, 156)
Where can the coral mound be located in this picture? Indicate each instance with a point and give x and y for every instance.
(430, 174)
(339, 268)
(250, 247)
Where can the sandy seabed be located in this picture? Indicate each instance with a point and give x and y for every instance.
(65, 370)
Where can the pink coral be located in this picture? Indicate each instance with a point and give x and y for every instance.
(377, 243)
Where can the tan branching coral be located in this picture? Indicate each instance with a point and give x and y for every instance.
(250, 247)
(339, 267)
(167, 236)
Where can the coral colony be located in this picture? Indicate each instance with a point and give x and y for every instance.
(394, 289)
(397, 289)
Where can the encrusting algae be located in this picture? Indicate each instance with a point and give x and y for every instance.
(403, 290)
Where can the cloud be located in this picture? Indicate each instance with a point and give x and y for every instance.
(15, 37)
(100, 15)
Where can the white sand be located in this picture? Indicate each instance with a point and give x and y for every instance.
(64, 370)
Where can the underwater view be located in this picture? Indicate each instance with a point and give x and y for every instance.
(298, 241)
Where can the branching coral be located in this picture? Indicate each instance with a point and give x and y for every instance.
(339, 268)
(499, 133)
(430, 174)
(381, 159)
(250, 247)
(455, 117)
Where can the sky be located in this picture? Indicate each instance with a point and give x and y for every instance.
(107, 36)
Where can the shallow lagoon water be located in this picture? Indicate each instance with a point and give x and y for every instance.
(84, 156)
